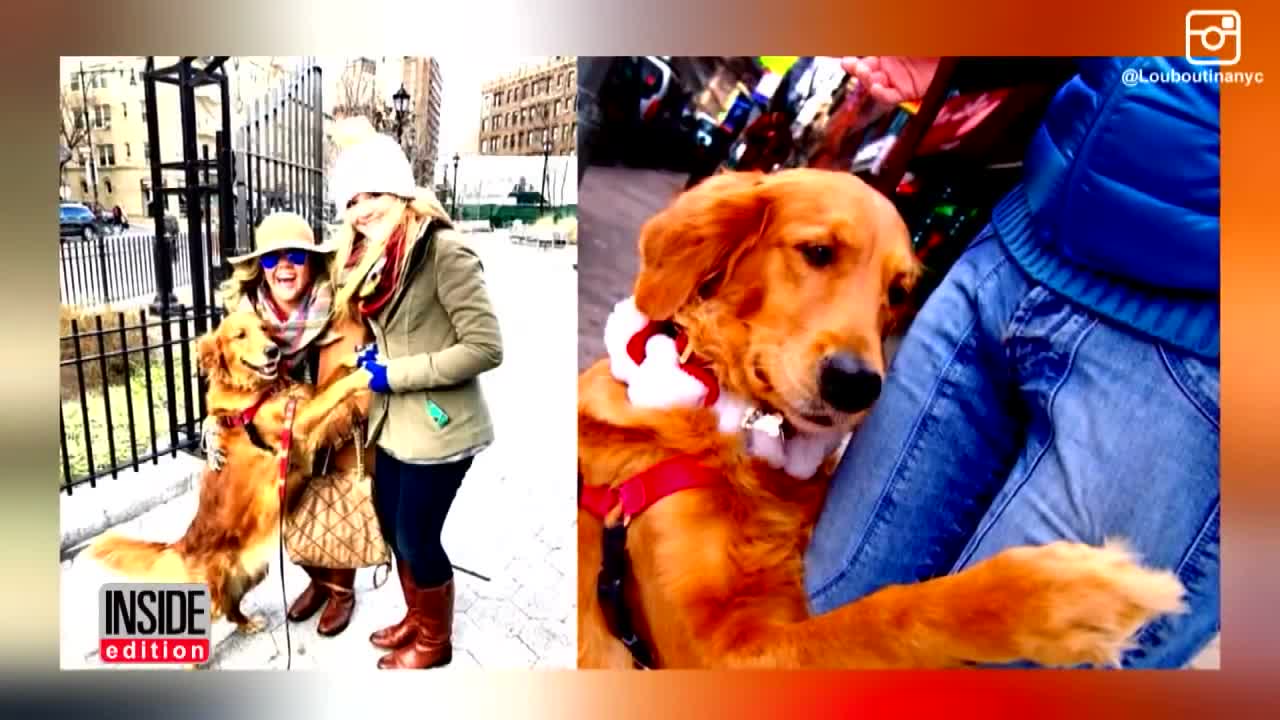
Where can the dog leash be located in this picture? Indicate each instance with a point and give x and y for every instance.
(286, 441)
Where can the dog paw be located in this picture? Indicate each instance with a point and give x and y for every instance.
(1077, 604)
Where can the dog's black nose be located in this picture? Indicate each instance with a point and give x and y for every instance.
(272, 352)
(847, 384)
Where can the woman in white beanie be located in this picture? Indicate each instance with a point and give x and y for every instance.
(408, 274)
(286, 282)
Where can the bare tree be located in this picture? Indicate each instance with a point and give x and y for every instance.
(358, 94)
(416, 150)
(72, 134)
(545, 127)
(419, 154)
(564, 177)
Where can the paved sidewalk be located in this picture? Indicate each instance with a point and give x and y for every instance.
(513, 520)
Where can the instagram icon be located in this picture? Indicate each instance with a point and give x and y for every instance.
(1213, 37)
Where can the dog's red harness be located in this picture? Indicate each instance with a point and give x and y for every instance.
(644, 489)
(245, 416)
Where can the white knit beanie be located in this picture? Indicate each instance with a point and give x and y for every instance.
(376, 164)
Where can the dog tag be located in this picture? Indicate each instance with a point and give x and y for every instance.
(770, 424)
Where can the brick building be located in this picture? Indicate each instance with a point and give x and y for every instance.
(520, 108)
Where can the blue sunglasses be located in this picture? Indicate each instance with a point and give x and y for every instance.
(297, 257)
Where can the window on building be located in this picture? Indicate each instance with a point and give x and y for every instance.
(84, 187)
(107, 183)
(106, 155)
(133, 77)
(75, 83)
(80, 119)
(102, 116)
(128, 151)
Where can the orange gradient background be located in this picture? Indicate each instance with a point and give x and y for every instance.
(35, 37)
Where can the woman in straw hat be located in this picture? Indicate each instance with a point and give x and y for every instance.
(285, 280)
(406, 272)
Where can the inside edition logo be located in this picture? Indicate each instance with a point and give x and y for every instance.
(153, 623)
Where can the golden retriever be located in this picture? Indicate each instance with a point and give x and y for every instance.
(235, 531)
(785, 286)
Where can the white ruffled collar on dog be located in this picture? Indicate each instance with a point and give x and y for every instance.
(660, 382)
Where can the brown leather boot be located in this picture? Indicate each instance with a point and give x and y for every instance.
(432, 645)
(340, 585)
(394, 637)
(311, 599)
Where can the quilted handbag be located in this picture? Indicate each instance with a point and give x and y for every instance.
(333, 524)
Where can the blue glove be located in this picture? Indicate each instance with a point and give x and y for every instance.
(366, 353)
(369, 360)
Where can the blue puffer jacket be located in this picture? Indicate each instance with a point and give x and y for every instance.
(1119, 206)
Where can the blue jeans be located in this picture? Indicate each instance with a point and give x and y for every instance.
(1011, 416)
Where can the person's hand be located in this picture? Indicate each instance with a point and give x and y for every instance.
(377, 368)
(211, 443)
(891, 80)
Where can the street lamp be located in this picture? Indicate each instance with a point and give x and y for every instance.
(455, 185)
(400, 103)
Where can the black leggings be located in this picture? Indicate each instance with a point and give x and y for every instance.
(412, 502)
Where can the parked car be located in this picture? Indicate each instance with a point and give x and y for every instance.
(77, 221)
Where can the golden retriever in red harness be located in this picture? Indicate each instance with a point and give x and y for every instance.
(235, 532)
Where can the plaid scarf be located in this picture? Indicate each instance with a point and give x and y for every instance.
(294, 333)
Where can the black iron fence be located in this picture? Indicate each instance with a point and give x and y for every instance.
(279, 155)
(121, 268)
(131, 392)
